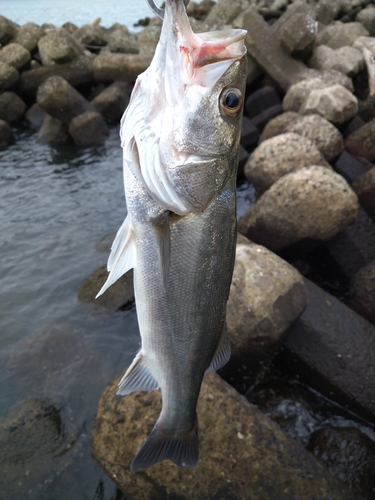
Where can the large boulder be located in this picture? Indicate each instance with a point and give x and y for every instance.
(364, 187)
(312, 203)
(278, 156)
(60, 100)
(16, 55)
(6, 134)
(321, 132)
(8, 76)
(340, 34)
(362, 291)
(361, 142)
(53, 131)
(8, 30)
(58, 47)
(77, 72)
(88, 129)
(112, 101)
(90, 34)
(335, 103)
(120, 40)
(333, 348)
(279, 125)
(28, 36)
(240, 449)
(367, 18)
(298, 34)
(266, 296)
(345, 59)
(109, 67)
(12, 107)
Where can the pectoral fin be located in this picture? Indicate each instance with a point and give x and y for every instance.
(162, 229)
(123, 255)
(222, 354)
(137, 378)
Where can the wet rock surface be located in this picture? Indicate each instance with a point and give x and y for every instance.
(233, 435)
(88, 129)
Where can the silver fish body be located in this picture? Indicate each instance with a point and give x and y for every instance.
(180, 163)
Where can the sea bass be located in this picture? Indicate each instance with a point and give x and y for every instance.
(180, 135)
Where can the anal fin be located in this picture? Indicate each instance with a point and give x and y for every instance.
(222, 353)
(137, 378)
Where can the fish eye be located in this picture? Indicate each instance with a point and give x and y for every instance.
(231, 101)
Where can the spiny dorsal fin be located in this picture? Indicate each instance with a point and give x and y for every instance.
(137, 378)
(123, 255)
(162, 229)
(222, 353)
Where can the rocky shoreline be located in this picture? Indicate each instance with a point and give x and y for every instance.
(308, 148)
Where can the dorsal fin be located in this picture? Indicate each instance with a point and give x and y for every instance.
(123, 255)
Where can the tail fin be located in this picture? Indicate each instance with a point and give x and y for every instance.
(181, 449)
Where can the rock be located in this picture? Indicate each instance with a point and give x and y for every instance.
(349, 453)
(367, 18)
(70, 27)
(249, 133)
(355, 246)
(122, 41)
(148, 39)
(243, 156)
(222, 13)
(334, 103)
(15, 55)
(335, 348)
(110, 67)
(340, 34)
(291, 11)
(278, 156)
(364, 187)
(313, 203)
(119, 296)
(240, 449)
(327, 10)
(12, 107)
(279, 125)
(59, 47)
(264, 46)
(299, 92)
(7, 30)
(28, 36)
(345, 59)
(366, 109)
(112, 102)
(6, 134)
(321, 132)
(35, 115)
(76, 73)
(90, 34)
(8, 76)
(261, 120)
(361, 142)
(350, 167)
(88, 129)
(298, 34)
(60, 100)
(53, 131)
(266, 296)
(354, 124)
(262, 99)
(34, 442)
(362, 292)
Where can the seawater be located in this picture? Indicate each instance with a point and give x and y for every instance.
(80, 12)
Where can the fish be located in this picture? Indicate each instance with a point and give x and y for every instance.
(180, 137)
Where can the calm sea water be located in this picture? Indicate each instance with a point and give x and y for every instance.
(80, 12)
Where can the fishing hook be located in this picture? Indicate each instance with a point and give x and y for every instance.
(159, 11)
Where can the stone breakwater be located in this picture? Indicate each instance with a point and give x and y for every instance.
(308, 148)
